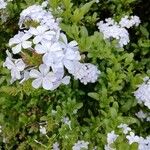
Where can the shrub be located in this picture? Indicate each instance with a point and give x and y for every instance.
(95, 97)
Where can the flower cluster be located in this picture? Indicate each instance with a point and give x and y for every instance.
(41, 44)
(80, 145)
(118, 31)
(143, 143)
(128, 22)
(142, 94)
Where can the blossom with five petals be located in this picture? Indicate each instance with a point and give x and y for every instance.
(16, 66)
(19, 41)
(43, 77)
(42, 33)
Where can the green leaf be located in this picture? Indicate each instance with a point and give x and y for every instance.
(144, 31)
(94, 95)
(80, 12)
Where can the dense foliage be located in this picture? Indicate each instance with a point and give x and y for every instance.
(42, 119)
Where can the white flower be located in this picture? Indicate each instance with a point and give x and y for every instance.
(61, 80)
(56, 146)
(70, 58)
(66, 120)
(43, 130)
(86, 73)
(38, 14)
(141, 115)
(80, 144)
(142, 94)
(58, 55)
(148, 119)
(53, 55)
(16, 66)
(46, 47)
(110, 30)
(73, 45)
(125, 128)
(41, 33)
(3, 4)
(19, 41)
(71, 52)
(132, 138)
(34, 12)
(44, 77)
(111, 137)
(118, 31)
(129, 22)
(144, 144)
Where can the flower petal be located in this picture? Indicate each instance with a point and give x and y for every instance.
(51, 77)
(66, 80)
(15, 74)
(44, 69)
(69, 64)
(48, 59)
(40, 49)
(14, 41)
(16, 49)
(47, 84)
(26, 36)
(20, 65)
(55, 47)
(26, 44)
(8, 63)
(35, 73)
(33, 31)
(37, 39)
(73, 44)
(63, 38)
(37, 83)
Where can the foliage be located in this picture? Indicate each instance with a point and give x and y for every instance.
(93, 109)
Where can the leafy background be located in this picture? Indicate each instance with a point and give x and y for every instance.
(94, 109)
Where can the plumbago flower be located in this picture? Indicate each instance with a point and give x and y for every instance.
(3, 4)
(19, 41)
(56, 146)
(143, 116)
(143, 143)
(16, 66)
(58, 56)
(125, 128)
(42, 33)
(43, 77)
(118, 31)
(111, 138)
(80, 145)
(142, 94)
